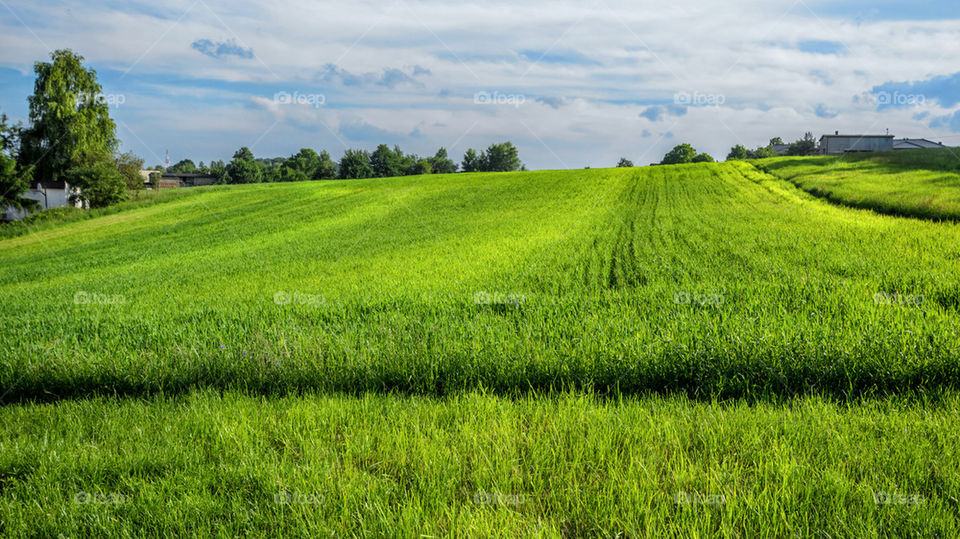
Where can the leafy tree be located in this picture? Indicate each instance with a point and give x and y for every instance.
(100, 184)
(441, 163)
(292, 174)
(624, 163)
(682, 153)
(244, 154)
(70, 124)
(703, 158)
(387, 163)
(14, 181)
(355, 164)
(471, 161)
(129, 166)
(737, 152)
(419, 166)
(763, 152)
(184, 166)
(805, 146)
(502, 157)
(243, 168)
(270, 174)
(218, 170)
(776, 141)
(326, 169)
(305, 162)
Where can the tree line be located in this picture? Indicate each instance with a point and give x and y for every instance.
(804, 146)
(685, 153)
(70, 137)
(679, 155)
(383, 162)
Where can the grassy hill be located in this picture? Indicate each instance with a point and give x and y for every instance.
(691, 350)
(915, 183)
(708, 280)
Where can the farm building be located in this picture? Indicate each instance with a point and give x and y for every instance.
(837, 144)
(915, 144)
(781, 149)
(48, 194)
(171, 179)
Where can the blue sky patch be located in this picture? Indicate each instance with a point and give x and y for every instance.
(816, 46)
(221, 49)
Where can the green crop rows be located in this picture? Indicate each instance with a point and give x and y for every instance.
(710, 280)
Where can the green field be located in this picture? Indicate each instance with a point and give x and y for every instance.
(711, 280)
(916, 183)
(210, 465)
(583, 344)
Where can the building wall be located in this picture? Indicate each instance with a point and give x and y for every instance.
(55, 198)
(838, 145)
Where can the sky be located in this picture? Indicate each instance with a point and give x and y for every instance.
(572, 84)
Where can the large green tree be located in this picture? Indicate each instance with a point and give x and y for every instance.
(471, 161)
(738, 152)
(184, 166)
(304, 163)
(502, 157)
(129, 166)
(70, 123)
(326, 168)
(681, 153)
(441, 163)
(805, 146)
(355, 164)
(387, 163)
(418, 166)
(100, 184)
(243, 168)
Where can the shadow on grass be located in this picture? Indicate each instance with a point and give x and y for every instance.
(703, 377)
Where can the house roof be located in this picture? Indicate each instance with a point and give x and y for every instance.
(184, 175)
(856, 136)
(915, 143)
(49, 185)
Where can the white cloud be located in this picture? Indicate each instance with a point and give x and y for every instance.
(637, 54)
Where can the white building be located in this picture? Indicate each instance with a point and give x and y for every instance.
(48, 194)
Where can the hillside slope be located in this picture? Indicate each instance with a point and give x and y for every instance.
(705, 279)
(917, 183)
